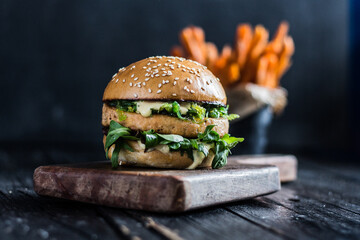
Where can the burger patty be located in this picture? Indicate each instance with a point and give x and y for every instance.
(163, 123)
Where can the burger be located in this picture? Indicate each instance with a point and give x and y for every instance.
(166, 112)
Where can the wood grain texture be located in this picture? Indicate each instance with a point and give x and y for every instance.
(287, 164)
(154, 189)
(324, 203)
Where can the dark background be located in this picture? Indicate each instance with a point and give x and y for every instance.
(56, 58)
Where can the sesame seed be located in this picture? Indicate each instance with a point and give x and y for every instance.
(114, 75)
(174, 83)
(149, 90)
(172, 67)
(123, 80)
(159, 85)
(184, 70)
(147, 79)
(147, 74)
(166, 64)
(187, 90)
(157, 75)
(163, 75)
(176, 78)
(132, 75)
(174, 94)
(163, 81)
(136, 78)
(167, 81)
(159, 91)
(139, 85)
(155, 66)
(144, 67)
(135, 95)
(148, 63)
(169, 73)
(163, 69)
(117, 80)
(144, 83)
(130, 84)
(192, 91)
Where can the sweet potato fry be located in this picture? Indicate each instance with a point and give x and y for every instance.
(212, 54)
(177, 51)
(262, 70)
(285, 56)
(252, 59)
(277, 43)
(242, 43)
(233, 72)
(224, 57)
(199, 36)
(259, 42)
(191, 45)
(221, 64)
(271, 76)
(257, 47)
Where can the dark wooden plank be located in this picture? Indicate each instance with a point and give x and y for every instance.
(127, 225)
(210, 223)
(336, 221)
(295, 223)
(23, 214)
(330, 185)
(155, 189)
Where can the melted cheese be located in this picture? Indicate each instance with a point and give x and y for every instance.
(145, 107)
(163, 148)
(184, 108)
(198, 157)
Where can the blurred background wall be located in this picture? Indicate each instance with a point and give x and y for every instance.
(56, 58)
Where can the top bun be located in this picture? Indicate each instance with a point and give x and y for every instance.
(165, 78)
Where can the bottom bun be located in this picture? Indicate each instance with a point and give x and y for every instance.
(157, 157)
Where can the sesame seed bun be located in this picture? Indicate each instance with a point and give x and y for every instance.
(165, 78)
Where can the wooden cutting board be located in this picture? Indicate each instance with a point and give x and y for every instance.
(287, 164)
(155, 189)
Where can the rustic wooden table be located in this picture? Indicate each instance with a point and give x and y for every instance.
(324, 203)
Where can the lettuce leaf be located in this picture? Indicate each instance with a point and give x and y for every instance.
(196, 113)
(220, 146)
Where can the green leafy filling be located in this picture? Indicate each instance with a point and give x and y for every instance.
(196, 113)
(220, 146)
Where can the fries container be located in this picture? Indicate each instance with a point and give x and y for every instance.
(256, 106)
